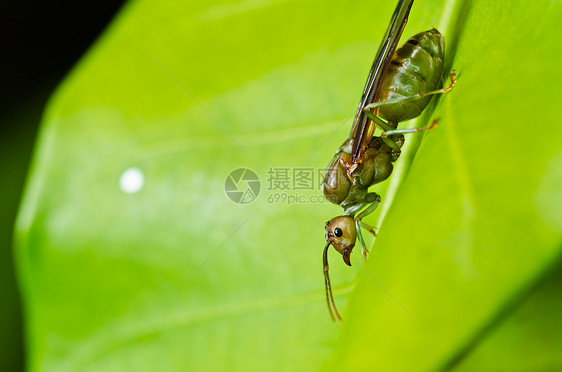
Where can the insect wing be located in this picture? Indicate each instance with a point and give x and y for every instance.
(363, 128)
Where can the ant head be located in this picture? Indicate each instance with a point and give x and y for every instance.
(341, 234)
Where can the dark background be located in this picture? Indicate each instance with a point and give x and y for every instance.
(40, 41)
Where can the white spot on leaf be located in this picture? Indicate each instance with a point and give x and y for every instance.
(131, 181)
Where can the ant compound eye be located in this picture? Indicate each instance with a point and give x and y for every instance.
(338, 232)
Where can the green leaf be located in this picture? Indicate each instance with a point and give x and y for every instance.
(477, 221)
(529, 339)
(170, 274)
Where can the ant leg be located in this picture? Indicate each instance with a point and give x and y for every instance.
(378, 121)
(385, 127)
(369, 228)
(373, 200)
(364, 250)
(452, 77)
(410, 130)
(389, 129)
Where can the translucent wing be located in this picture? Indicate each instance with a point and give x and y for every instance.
(363, 128)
